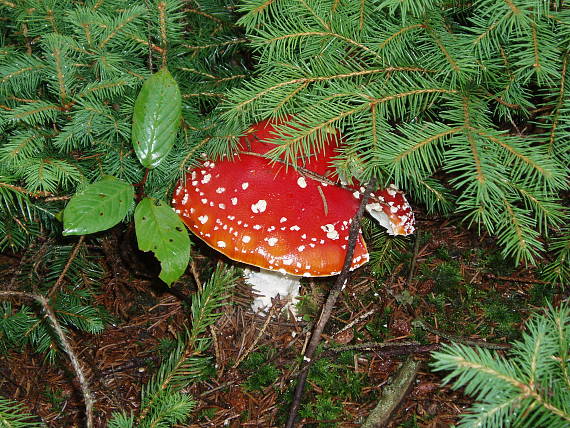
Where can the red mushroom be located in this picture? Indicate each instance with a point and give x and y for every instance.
(277, 218)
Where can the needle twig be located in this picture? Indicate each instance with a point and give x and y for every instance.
(87, 397)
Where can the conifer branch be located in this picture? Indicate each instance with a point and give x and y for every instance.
(324, 34)
(398, 33)
(559, 102)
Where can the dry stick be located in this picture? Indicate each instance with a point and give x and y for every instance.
(355, 321)
(251, 347)
(388, 348)
(341, 281)
(392, 395)
(459, 339)
(87, 397)
(66, 267)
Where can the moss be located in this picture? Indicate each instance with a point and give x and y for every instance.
(447, 277)
(323, 408)
(497, 264)
(377, 327)
(263, 373)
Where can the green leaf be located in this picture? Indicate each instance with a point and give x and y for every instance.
(161, 231)
(98, 207)
(156, 118)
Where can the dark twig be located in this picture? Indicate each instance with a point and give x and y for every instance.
(414, 258)
(388, 349)
(341, 281)
(459, 339)
(84, 385)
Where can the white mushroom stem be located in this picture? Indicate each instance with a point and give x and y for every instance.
(270, 285)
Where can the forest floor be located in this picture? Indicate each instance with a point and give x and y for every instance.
(460, 287)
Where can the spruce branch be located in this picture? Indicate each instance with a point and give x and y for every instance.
(530, 388)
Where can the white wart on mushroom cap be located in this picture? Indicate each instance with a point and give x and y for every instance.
(269, 216)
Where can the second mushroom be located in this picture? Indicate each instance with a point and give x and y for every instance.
(290, 222)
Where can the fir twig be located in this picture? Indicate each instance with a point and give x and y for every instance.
(339, 284)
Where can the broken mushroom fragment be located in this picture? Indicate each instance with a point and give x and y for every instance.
(280, 219)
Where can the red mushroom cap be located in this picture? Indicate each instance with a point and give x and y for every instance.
(267, 215)
(273, 217)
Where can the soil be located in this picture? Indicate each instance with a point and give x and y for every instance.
(460, 288)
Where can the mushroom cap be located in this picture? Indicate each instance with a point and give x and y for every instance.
(270, 216)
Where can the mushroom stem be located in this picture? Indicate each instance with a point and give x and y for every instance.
(270, 285)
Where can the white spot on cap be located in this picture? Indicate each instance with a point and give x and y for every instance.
(256, 226)
(295, 228)
(195, 183)
(203, 219)
(220, 190)
(221, 244)
(301, 248)
(185, 199)
(222, 206)
(234, 201)
(272, 241)
(244, 185)
(302, 182)
(246, 238)
(204, 200)
(287, 262)
(356, 194)
(283, 220)
(206, 178)
(330, 231)
(259, 206)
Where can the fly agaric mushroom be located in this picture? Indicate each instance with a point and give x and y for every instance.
(286, 220)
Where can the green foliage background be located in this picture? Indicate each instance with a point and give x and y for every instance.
(464, 105)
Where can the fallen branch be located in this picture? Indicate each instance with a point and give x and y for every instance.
(341, 281)
(84, 385)
(388, 349)
(392, 395)
(61, 277)
(459, 339)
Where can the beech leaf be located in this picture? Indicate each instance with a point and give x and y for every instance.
(99, 206)
(156, 118)
(161, 231)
